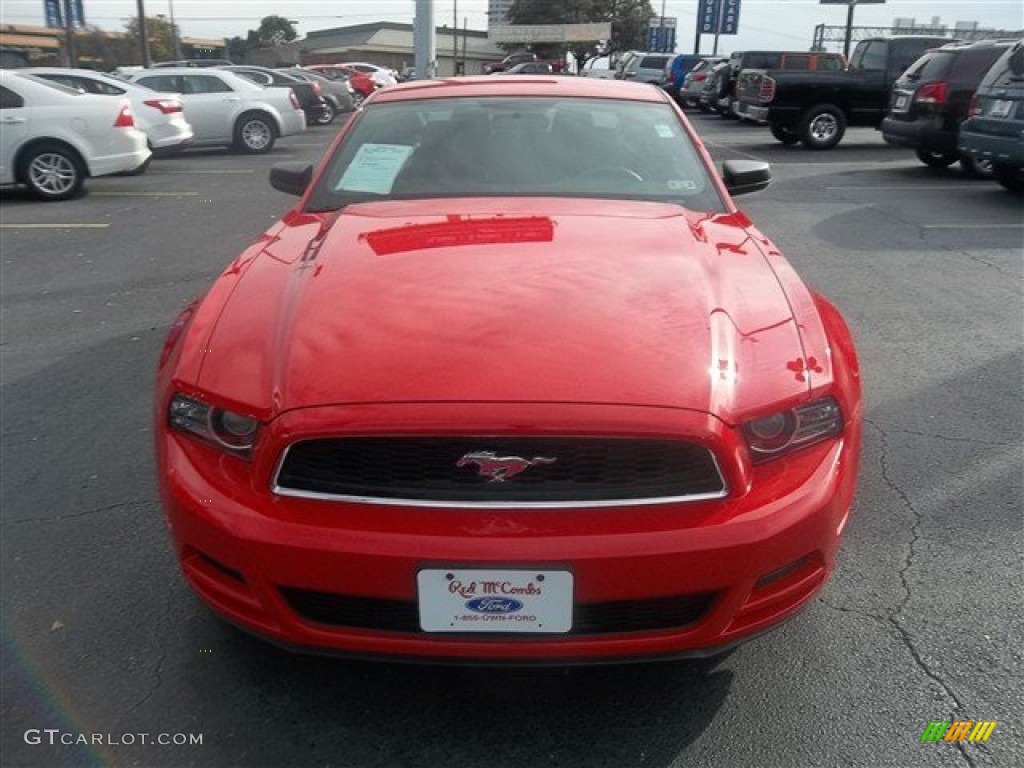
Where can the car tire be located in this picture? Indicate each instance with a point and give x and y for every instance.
(935, 159)
(53, 172)
(1010, 177)
(822, 127)
(255, 134)
(326, 115)
(976, 168)
(786, 135)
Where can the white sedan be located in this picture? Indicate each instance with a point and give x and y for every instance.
(226, 109)
(52, 137)
(159, 115)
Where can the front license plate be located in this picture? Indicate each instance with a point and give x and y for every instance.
(1001, 108)
(457, 600)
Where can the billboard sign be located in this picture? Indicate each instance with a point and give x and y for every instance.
(550, 33)
(661, 34)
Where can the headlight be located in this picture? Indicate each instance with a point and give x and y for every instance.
(232, 431)
(780, 433)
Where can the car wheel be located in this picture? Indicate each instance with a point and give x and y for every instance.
(786, 135)
(822, 127)
(254, 134)
(326, 115)
(935, 159)
(976, 168)
(1010, 177)
(53, 172)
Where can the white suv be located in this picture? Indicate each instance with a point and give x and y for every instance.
(52, 137)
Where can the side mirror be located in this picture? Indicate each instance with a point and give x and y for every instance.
(744, 176)
(291, 178)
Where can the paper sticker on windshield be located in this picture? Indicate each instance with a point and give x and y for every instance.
(682, 184)
(664, 131)
(374, 168)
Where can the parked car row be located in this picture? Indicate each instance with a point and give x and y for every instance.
(918, 90)
(61, 126)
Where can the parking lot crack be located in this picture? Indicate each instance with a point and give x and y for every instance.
(158, 668)
(76, 515)
(908, 561)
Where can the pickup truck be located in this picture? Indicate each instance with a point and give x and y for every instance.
(816, 107)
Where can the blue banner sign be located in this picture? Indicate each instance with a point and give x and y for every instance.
(720, 17)
(54, 18)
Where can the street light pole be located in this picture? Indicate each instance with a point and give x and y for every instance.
(143, 34)
(175, 44)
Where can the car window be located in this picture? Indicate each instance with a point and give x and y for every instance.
(66, 80)
(1008, 70)
(906, 52)
(9, 99)
(166, 83)
(102, 87)
(829, 64)
(972, 64)
(872, 56)
(257, 77)
(931, 67)
(203, 84)
(653, 62)
(797, 62)
(517, 146)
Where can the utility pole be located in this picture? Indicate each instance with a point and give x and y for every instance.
(424, 40)
(143, 34)
(849, 28)
(69, 30)
(455, 38)
(175, 43)
(662, 37)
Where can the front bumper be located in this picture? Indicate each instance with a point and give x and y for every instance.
(735, 566)
(928, 134)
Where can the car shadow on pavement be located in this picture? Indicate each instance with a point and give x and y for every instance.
(381, 713)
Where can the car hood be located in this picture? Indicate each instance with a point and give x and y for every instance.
(560, 301)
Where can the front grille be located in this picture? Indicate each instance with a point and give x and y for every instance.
(427, 470)
(587, 619)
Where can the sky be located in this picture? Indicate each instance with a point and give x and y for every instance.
(764, 24)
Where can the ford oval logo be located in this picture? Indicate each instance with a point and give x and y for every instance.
(494, 605)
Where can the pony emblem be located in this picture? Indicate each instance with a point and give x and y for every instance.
(498, 469)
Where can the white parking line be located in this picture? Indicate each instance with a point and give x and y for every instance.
(203, 170)
(915, 188)
(972, 226)
(144, 194)
(8, 225)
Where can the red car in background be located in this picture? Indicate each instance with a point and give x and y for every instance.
(362, 84)
(515, 381)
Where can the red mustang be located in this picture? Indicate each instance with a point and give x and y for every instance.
(514, 381)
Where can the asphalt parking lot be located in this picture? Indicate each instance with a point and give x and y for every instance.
(921, 621)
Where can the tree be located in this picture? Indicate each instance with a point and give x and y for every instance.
(105, 49)
(161, 43)
(629, 20)
(275, 30)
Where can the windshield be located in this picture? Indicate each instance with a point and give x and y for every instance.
(509, 146)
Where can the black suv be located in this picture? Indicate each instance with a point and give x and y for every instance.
(933, 97)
